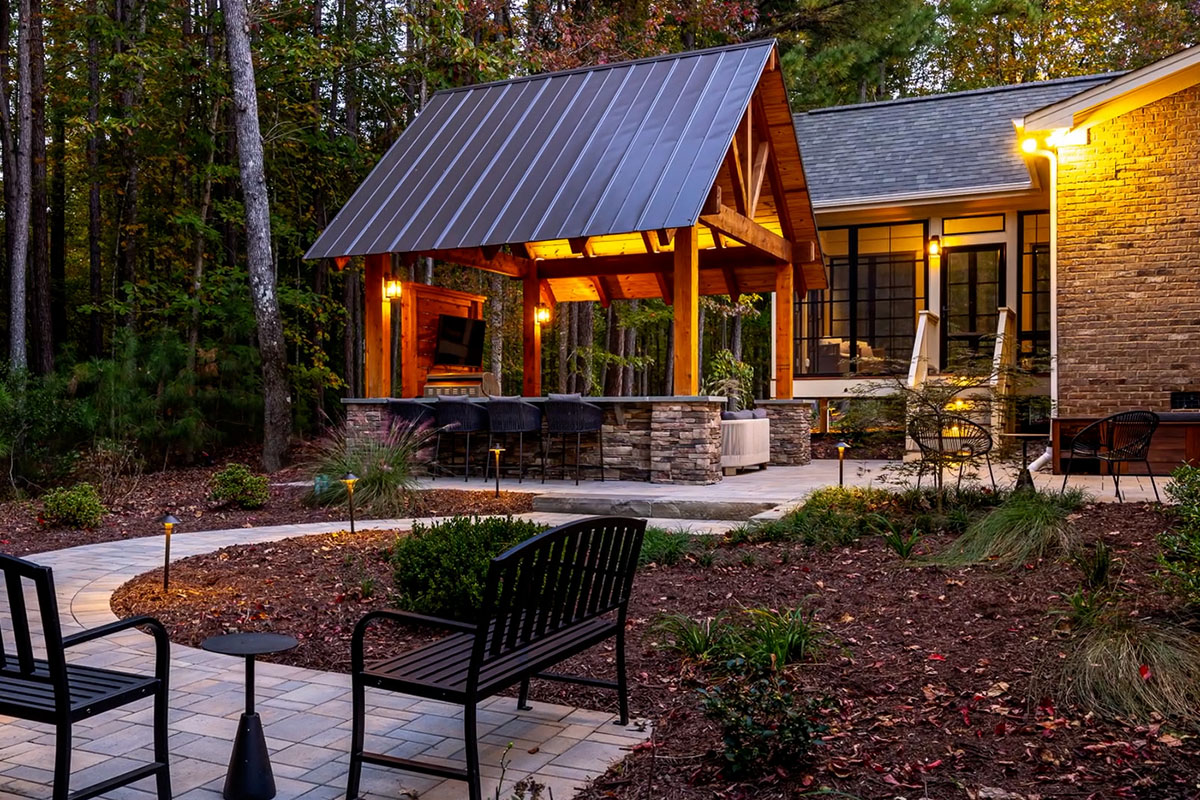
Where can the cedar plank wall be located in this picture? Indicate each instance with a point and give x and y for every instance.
(1129, 261)
(421, 305)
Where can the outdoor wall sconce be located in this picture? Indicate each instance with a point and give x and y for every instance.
(541, 314)
(168, 522)
(935, 245)
(348, 480)
(391, 290)
(1029, 145)
(841, 446)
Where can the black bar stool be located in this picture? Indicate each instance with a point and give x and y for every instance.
(409, 414)
(569, 414)
(509, 415)
(456, 415)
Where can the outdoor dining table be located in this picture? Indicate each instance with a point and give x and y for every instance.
(249, 776)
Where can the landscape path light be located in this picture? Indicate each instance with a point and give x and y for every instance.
(841, 446)
(168, 522)
(348, 480)
(497, 451)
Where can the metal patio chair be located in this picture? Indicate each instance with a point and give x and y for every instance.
(949, 440)
(1122, 438)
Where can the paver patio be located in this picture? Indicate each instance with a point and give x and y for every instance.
(305, 712)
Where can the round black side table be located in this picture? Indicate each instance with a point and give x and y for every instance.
(249, 776)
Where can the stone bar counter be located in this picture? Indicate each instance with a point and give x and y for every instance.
(660, 439)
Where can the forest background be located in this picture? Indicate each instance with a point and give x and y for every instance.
(119, 131)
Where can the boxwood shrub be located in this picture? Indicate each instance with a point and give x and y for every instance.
(440, 568)
(77, 507)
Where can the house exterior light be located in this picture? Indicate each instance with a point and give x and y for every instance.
(391, 290)
(1029, 145)
(935, 245)
(541, 314)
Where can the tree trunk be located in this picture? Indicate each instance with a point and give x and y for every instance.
(277, 412)
(630, 352)
(587, 327)
(200, 238)
(563, 330)
(95, 278)
(18, 228)
(735, 345)
(58, 227)
(615, 344)
(42, 341)
(496, 324)
(126, 12)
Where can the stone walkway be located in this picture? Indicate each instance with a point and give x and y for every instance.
(305, 712)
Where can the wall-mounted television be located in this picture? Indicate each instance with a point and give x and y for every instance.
(459, 342)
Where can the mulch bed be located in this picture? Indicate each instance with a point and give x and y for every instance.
(184, 493)
(932, 673)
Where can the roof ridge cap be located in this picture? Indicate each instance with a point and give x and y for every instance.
(924, 98)
(725, 48)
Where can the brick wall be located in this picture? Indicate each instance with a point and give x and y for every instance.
(1129, 261)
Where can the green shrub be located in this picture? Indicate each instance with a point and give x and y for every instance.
(777, 638)
(664, 547)
(764, 724)
(440, 569)
(1179, 561)
(1026, 527)
(77, 507)
(1133, 669)
(703, 641)
(237, 485)
(383, 464)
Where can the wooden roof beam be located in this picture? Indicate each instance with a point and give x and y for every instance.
(600, 266)
(504, 263)
(775, 177)
(601, 292)
(756, 176)
(580, 245)
(733, 163)
(664, 288)
(731, 282)
(748, 232)
(665, 236)
(651, 241)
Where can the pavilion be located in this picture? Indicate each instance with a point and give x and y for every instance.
(674, 177)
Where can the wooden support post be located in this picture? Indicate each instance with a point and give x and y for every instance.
(410, 370)
(531, 385)
(687, 311)
(785, 298)
(377, 327)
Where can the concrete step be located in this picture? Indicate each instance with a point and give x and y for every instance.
(665, 507)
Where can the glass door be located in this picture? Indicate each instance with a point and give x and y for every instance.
(972, 293)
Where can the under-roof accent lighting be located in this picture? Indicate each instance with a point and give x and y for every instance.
(1029, 145)
(935, 245)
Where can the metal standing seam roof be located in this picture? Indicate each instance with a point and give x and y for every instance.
(935, 144)
(615, 148)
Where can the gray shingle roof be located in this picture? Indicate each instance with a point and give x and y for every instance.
(616, 148)
(963, 141)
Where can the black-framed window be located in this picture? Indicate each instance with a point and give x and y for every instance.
(1033, 304)
(865, 322)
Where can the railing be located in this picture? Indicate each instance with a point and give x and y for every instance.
(1004, 360)
(925, 348)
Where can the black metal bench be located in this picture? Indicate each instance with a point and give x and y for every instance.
(545, 600)
(52, 691)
